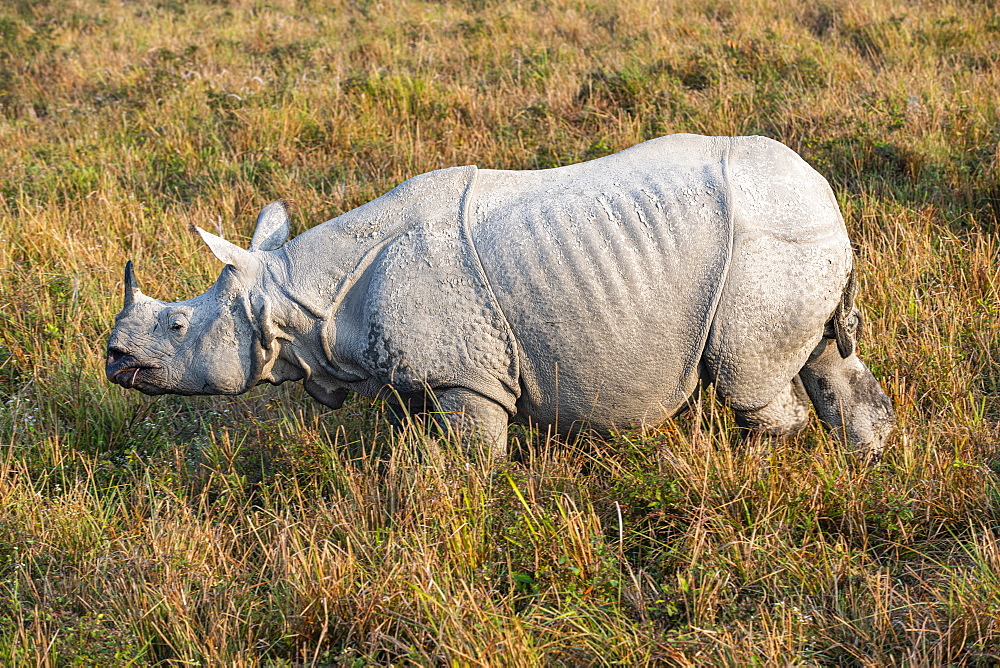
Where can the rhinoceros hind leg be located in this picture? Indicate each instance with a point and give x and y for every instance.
(471, 416)
(848, 399)
(785, 415)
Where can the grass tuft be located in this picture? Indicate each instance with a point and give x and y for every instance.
(265, 530)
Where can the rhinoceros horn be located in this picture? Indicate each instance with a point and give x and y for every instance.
(131, 285)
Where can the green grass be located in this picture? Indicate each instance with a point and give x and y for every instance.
(264, 530)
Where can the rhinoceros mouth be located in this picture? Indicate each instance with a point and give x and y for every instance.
(133, 377)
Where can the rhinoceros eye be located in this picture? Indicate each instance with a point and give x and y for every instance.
(178, 323)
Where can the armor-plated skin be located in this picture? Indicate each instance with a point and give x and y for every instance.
(598, 295)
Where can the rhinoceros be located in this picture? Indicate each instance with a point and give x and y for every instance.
(601, 295)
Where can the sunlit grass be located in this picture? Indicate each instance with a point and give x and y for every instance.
(265, 530)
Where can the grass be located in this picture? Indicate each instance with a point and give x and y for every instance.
(264, 530)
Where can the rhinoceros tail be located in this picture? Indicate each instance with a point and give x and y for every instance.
(847, 321)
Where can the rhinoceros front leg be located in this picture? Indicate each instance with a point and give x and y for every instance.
(848, 398)
(472, 416)
(461, 413)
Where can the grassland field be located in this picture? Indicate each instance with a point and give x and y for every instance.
(263, 530)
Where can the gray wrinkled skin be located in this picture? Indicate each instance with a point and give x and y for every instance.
(599, 295)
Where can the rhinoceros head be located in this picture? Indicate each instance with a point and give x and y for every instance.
(206, 345)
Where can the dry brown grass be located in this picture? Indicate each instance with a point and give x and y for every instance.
(265, 531)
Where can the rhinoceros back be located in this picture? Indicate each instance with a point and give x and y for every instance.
(608, 273)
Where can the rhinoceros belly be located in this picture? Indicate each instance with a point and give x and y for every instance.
(608, 274)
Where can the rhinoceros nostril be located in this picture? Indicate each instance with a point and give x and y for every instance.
(114, 354)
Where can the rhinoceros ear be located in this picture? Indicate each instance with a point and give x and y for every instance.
(227, 252)
(272, 227)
